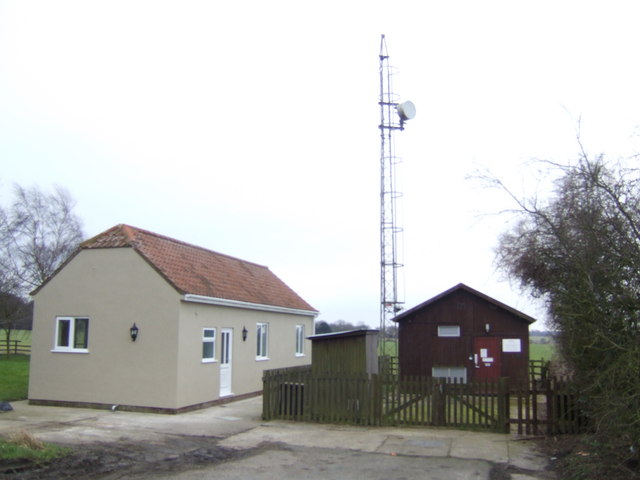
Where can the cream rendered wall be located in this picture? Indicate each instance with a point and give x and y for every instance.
(199, 383)
(114, 288)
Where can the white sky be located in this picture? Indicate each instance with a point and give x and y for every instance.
(251, 127)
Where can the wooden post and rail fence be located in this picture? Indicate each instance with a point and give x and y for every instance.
(14, 347)
(542, 407)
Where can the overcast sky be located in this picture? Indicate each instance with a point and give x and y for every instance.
(251, 127)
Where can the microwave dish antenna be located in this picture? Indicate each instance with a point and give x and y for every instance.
(406, 110)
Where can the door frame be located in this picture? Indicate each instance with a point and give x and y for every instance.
(226, 362)
(491, 347)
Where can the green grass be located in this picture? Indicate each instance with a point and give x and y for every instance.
(541, 351)
(22, 336)
(17, 449)
(14, 377)
(390, 348)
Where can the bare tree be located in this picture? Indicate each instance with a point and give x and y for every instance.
(10, 304)
(37, 233)
(580, 251)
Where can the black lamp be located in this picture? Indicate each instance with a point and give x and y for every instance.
(134, 332)
(244, 334)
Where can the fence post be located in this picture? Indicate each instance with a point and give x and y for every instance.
(265, 396)
(549, 387)
(533, 392)
(503, 406)
(375, 399)
(438, 399)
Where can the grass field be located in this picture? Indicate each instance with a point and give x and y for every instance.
(14, 377)
(24, 336)
(541, 351)
(390, 348)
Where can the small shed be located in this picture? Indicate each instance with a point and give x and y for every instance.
(464, 334)
(353, 351)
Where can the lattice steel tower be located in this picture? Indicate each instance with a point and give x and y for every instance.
(393, 115)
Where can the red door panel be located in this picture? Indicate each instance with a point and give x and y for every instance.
(486, 356)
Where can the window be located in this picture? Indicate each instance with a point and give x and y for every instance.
(263, 333)
(299, 340)
(72, 334)
(448, 330)
(457, 374)
(208, 345)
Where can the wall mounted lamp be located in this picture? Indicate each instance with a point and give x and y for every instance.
(133, 331)
(487, 327)
(244, 334)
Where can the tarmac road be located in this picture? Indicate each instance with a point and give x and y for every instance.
(231, 441)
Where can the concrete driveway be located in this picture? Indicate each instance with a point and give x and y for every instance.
(274, 450)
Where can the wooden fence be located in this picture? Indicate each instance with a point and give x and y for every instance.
(389, 365)
(14, 347)
(539, 369)
(297, 394)
(445, 402)
(547, 407)
(383, 400)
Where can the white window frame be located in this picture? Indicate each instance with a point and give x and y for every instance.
(71, 335)
(448, 331)
(300, 340)
(209, 340)
(262, 346)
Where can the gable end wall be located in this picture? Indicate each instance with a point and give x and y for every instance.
(421, 348)
(114, 287)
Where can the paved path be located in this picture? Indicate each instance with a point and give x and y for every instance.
(274, 450)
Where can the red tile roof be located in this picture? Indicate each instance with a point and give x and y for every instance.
(198, 271)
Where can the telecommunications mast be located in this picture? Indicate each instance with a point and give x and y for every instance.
(393, 115)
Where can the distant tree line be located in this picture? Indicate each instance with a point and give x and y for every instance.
(541, 333)
(343, 326)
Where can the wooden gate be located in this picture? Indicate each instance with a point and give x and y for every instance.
(547, 407)
(384, 400)
(445, 402)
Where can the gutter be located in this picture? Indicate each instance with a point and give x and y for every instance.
(224, 302)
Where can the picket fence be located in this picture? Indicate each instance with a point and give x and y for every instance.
(543, 407)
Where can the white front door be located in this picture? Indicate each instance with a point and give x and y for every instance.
(226, 339)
